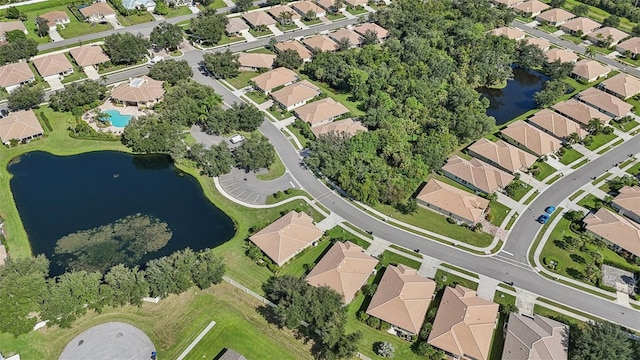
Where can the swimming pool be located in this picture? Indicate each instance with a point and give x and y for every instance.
(117, 119)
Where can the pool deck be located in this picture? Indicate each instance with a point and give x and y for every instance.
(108, 105)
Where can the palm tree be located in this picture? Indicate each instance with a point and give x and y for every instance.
(285, 18)
(343, 44)
(592, 272)
(595, 126)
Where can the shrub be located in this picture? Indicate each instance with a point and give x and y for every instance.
(363, 316)
(607, 130)
(384, 349)
(451, 220)
(373, 321)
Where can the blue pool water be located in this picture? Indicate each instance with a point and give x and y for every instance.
(117, 119)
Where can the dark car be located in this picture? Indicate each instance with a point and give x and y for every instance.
(550, 209)
(542, 219)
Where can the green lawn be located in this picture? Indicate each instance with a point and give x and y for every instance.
(336, 16)
(547, 28)
(580, 164)
(405, 250)
(545, 170)
(217, 4)
(338, 233)
(531, 197)
(312, 22)
(635, 169)
(178, 11)
(601, 50)
(629, 125)
(599, 15)
(306, 260)
(257, 34)
(340, 97)
(590, 202)
(296, 132)
(289, 193)
(287, 27)
(276, 170)
(451, 280)
(229, 40)
(498, 212)
(261, 50)
(242, 80)
(570, 155)
(389, 257)
(77, 75)
(356, 11)
(599, 140)
(257, 96)
(574, 39)
(554, 179)
(522, 190)
(142, 17)
(576, 194)
(108, 67)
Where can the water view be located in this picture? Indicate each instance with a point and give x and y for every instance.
(88, 211)
(517, 97)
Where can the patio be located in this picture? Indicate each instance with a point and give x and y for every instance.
(89, 116)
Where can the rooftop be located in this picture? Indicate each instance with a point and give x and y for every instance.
(52, 64)
(256, 60)
(6, 26)
(89, 55)
(590, 69)
(555, 15)
(236, 25)
(532, 6)
(348, 127)
(277, 11)
(583, 24)
(306, 6)
(479, 174)
(632, 45)
(533, 139)
(615, 228)
(628, 198)
(505, 155)
(52, 16)
(379, 30)
(143, 89)
(320, 111)
(604, 33)
(537, 338)
(259, 18)
(563, 55)
(16, 73)
(320, 42)
(508, 32)
(541, 43)
(344, 33)
(556, 124)
(604, 101)
(272, 79)
(580, 112)
(623, 85)
(453, 200)
(97, 9)
(296, 93)
(19, 125)
(304, 53)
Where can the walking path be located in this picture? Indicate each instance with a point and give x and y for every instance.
(196, 340)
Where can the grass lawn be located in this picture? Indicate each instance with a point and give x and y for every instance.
(336, 16)
(512, 221)
(217, 4)
(547, 28)
(75, 29)
(635, 169)
(521, 191)
(580, 164)
(257, 96)
(543, 311)
(498, 212)
(228, 40)
(103, 69)
(312, 22)
(306, 259)
(140, 18)
(338, 233)
(389, 257)
(601, 50)
(340, 97)
(599, 15)
(77, 75)
(178, 11)
(356, 11)
(545, 170)
(629, 125)
(599, 140)
(576, 194)
(256, 33)
(569, 156)
(261, 50)
(497, 342)
(296, 132)
(450, 280)
(271, 199)
(287, 27)
(574, 39)
(531, 197)
(276, 170)
(589, 202)
(405, 250)
(242, 80)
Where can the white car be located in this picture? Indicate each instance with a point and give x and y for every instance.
(236, 139)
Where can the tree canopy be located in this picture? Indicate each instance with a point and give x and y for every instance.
(149, 134)
(602, 341)
(208, 27)
(26, 97)
(255, 153)
(126, 48)
(77, 95)
(17, 49)
(222, 65)
(166, 36)
(171, 71)
(289, 59)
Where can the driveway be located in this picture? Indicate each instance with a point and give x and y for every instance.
(54, 35)
(115, 23)
(91, 72)
(54, 82)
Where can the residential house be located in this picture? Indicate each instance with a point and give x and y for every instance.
(604, 102)
(555, 17)
(7, 26)
(258, 18)
(614, 229)
(320, 43)
(55, 18)
(452, 202)
(255, 61)
(580, 26)
(287, 236)
(607, 36)
(293, 96)
(330, 5)
(98, 12)
(346, 127)
(15, 75)
(272, 79)
(148, 5)
(501, 155)
(476, 175)
(381, 32)
(307, 7)
(555, 124)
(531, 8)
(236, 26)
(89, 55)
(464, 324)
(580, 112)
(630, 47)
(305, 54)
(356, 3)
(627, 202)
(348, 34)
(622, 86)
(229, 354)
(561, 55)
(344, 268)
(509, 32)
(21, 125)
(508, 3)
(284, 14)
(543, 44)
(402, 298)
(55, 65)
(589, 71)
(530, 138)
(321, 112)
(142, 91)
(535, 338)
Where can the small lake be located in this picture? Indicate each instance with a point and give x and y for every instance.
(60, 195)
(517, 97)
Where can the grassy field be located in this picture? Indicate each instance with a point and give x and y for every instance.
(547, 28)
(389, 257)
(340, 97)
(261, 50)
(589, 202)
(576, 194)
(580, 164)
(242, 80)
(498, 212)
(629, 125)
(75, 29)
(309, 257)
(599, 15)
(570, 155)
(257, 96)
(229, 40)
(522, 190)
(635, 169)
(257, 34)
(449, 280)
(545, 170)
(178, 11)
(341, 234)
(140, 18)
(276, 170)
(599, 140)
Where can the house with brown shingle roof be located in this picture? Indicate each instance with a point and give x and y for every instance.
(464, 325)
(589, 71)
(622, 86)
(89, 55)
(508, 3)
(627, 202)
(356, 3)
(320, 43)
(580, 26)
(543, 44)
(535, 338)
(580, 112)
(55, 17)
(402, 298)
(21, 125)
(561, 55)
(55, 65)
(347, 127)
(501, 155)
(321, 112)
(229, 354)
(6, 26)
(450, 201)
(287, 236)
(258, 18)
(236, 26)
(304, 7)
(272, 79)
(15, 75)
(615, 229)
(530, 138)
(476, 175)
(293, 96)
(277, 12)
(509, 32)
(344, 268)
(531, 8)
(344, 33)
(305, 54)
(607, 36)
(604, 102)
(555, 17)
(255, 61)
(381, 32)
(98, 12)
(142, 91)
(555, 124)
(330, 5)
(631, 45)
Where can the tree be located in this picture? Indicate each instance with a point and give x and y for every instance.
(572, 138)
(77, 95)
(243, 5)
(574, 215)
(215, 161)
(247, 118)
(558, 69)
(128, 285)
(20, 48)
(222, 65)
(166, 36)
(256, 153)
(208, 269)
(384, 349)
(310, 15)
(14, 35)
(550, 93)
(12, 13)
(126, 48)
(580, 10)
(171, 71)
(42, 26)
(369, 37)
(161, 8)
(557, 3)
(149, 134)
(285, 18)
(602, 340)
(507, 309)
(343, 44)
(529, 55)
(572, 242)
(595, 126)
(590, 51)
(171, 274)
(26, 97)
(208, 27)
(289, 59)
(636, 30)
(611, 21)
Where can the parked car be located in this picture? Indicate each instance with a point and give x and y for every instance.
(236, 139)
(542, 219)
(550, 209)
